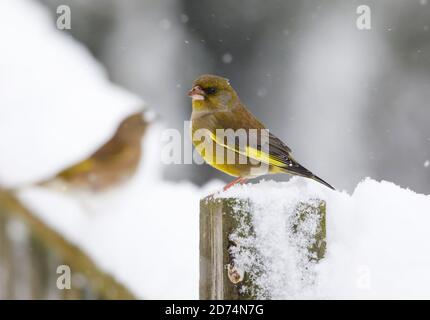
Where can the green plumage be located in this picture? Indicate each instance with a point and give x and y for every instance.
(217, 106)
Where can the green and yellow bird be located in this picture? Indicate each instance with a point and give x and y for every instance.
(217, 109)
(113, 163)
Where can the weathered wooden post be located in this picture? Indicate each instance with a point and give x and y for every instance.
(45, 250)
(219, 279)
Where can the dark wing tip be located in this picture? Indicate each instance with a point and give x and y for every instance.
(302, 171)
(323, 182)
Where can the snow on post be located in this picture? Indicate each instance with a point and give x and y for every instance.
(235, 262)
(377, 242)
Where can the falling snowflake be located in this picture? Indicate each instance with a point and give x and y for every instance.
(165, 24)
(184, 18)
(227, 58)
(262, 92)
(427, 163)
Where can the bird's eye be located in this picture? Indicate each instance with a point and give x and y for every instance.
(210, 90)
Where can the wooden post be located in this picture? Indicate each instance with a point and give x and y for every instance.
(6, 267)
(45, 242)
(218, 277)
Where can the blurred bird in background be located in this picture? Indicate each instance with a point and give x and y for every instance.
(112, 164)
(217, 106)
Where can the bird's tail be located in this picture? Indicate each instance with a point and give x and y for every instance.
(299, 170)
(316, 178)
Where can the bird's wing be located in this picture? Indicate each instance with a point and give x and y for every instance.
(277, 147)
(267, 148)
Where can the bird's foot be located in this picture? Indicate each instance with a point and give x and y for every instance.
(235, 181)
(229, 185)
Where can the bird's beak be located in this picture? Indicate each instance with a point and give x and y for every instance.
(197, 93)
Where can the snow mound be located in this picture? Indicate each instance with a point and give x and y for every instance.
(57, 104)
(377, 242)
(145, 233)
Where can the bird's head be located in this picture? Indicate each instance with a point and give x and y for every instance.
(211, 93)
(132, 127)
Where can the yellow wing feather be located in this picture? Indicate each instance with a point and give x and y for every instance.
(249, 152)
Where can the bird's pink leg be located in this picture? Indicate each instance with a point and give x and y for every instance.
(232, 183)
(243, 181)
(235, 181)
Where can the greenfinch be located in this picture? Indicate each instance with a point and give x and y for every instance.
(114, 162)
(216, 109)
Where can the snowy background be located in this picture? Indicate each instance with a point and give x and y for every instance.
(351, 104)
